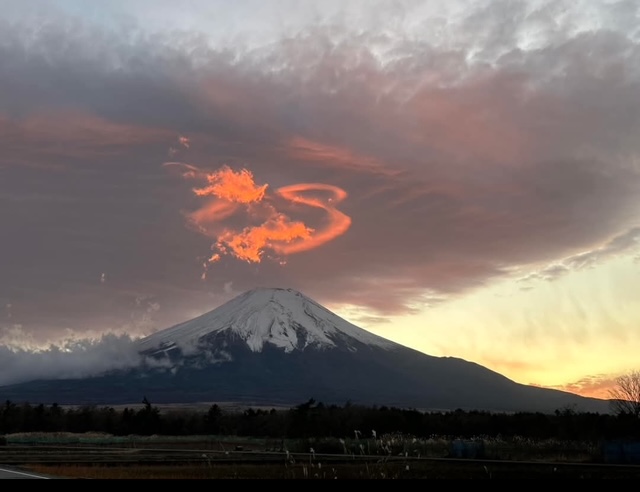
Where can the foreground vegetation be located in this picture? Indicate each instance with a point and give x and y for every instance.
(311, 440)
(383, 457)
(380, 471)
(314, 419)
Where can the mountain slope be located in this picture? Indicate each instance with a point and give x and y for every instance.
(276, 346)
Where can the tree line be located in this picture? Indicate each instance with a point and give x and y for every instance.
(316, 420)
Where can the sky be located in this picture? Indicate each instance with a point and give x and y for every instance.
(461, 177)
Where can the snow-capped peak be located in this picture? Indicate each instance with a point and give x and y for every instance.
(282, 317)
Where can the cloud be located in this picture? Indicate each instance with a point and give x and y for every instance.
(456, 145)
(227, 189)
(624, 243)
(73, 359)
(596, 386)
(52, 138)
(371, 320)
(308, 151)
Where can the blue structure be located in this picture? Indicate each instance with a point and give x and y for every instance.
(621, 452)
(467, 449)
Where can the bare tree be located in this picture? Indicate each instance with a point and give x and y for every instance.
(625, 397)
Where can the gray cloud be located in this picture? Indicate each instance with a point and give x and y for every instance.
(504, 136)
(624, 243)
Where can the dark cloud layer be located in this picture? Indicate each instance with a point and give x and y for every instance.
(461, 160)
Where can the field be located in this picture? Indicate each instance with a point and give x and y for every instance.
(213, 457)
(410, 470)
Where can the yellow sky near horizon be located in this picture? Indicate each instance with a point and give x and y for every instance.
(576, 333)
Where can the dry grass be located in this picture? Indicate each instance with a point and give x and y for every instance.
(226, 471)
(97, 456)
(411, 470)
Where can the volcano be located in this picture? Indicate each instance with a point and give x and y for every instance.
(272, 346)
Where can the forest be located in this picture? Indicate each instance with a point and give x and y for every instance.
(317, 420)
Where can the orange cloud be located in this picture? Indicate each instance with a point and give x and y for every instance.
(338, 223)
(231, 186)
(599, 386)
(229, 192)
(250, 244)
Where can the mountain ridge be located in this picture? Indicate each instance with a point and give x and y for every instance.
(277, 346)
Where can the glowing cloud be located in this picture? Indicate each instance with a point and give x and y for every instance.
(250, 244)
(338, 223)
(234, 187)
(230, 194)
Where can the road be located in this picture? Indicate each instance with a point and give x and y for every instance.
(14, 473)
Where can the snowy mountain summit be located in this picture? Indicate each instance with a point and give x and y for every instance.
(284, 318)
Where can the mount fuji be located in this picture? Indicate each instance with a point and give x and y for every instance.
(272, 346)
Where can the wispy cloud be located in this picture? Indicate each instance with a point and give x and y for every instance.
(596, 386)
(622, 244)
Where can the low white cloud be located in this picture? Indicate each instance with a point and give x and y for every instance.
(72, 359)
